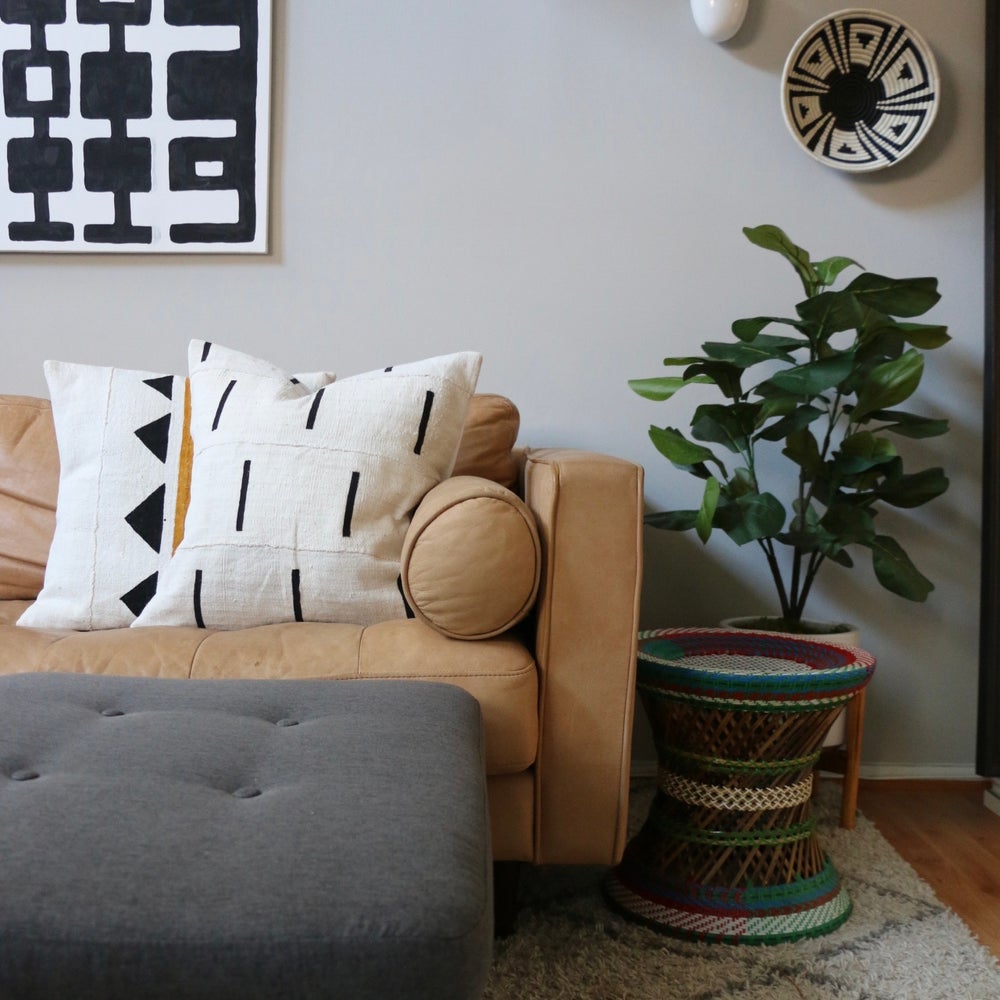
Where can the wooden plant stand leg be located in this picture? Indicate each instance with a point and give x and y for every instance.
(852, 762)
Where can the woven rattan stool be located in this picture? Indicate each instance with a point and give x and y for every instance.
(729, 850)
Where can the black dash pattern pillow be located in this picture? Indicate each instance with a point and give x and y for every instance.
(300, 504)
(123, 468)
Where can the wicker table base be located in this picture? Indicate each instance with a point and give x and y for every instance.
(729, 850)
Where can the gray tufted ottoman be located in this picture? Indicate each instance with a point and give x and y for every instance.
(243, 839)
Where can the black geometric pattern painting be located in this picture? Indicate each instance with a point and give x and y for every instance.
(860, 90)
(135, 125)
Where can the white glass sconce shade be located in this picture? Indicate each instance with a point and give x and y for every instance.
(719, 19)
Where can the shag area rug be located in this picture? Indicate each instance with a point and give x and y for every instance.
(900, 942)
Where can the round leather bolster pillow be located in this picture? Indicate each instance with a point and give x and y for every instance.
(471, 560)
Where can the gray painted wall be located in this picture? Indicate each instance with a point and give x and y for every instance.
(561, 184)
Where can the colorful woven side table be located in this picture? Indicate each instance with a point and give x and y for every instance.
(729, 850)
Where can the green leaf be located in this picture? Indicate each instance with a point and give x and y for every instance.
(723, 374)
(679, 450)
(879, 339)
(910, 424)
(772, 238)
(814, 377)
(896, 572)
(848, 523)
(741, 484)
(829, 313)
(801, 447)
(913, 490)
(830, 269)
(801, 416)
(672, 520)
(744, 355)
(777, 404)
(730, 426)
(709, 502)
(676, 362)
(801, 540)
(749, 328)
(662, 387)
(751, 517)
(926, 336)
(862, 451)
(889, 384)
(895, 296)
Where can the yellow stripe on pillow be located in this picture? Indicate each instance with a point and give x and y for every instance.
(184, 469)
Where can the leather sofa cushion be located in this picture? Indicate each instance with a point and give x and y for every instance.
(471, 560)
(487, 446)
(500, 673)
(29, 481)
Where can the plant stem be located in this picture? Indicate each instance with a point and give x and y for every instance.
(796, 602)
(767, 546)
(816, 559)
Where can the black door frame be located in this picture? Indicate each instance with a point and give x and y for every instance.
(988, 730)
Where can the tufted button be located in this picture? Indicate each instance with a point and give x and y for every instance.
(111, 713)
(246, 792)
(287, 722)
(24, 775)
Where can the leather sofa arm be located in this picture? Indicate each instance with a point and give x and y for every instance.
(588, 509)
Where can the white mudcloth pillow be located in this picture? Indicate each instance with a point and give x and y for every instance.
(121, 438)
(300, 505)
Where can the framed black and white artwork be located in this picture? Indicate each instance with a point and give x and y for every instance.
(135, 125)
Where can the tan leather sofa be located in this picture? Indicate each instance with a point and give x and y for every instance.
(556, 690)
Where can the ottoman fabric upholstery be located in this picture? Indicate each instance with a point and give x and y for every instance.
(169, 838)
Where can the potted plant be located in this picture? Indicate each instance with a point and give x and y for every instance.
(824, 390)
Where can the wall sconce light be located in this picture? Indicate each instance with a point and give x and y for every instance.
(719, 19)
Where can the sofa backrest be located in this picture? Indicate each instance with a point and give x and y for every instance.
(487, 446)
(29, 477)
(29, 482)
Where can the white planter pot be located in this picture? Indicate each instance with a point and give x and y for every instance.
(849, 637)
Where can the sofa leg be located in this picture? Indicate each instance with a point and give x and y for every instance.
(506, 878)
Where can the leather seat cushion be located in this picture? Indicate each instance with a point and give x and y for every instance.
(500, 672)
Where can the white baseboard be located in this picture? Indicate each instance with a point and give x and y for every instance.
(644, 768)
(991, 797)
(919, 772)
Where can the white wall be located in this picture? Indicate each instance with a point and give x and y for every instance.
(561, 184)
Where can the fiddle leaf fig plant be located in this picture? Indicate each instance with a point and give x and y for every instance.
(824, 387)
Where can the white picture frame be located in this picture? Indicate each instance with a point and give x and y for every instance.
(133, 127)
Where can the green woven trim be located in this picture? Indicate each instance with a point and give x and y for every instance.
(808, 920)
(763, 768)
(734, 838)
(747, 704)
(839, 916)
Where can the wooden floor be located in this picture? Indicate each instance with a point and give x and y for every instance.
(946, 833)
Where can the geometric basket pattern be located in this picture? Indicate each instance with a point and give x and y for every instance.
(729, 852)
(860, 90)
